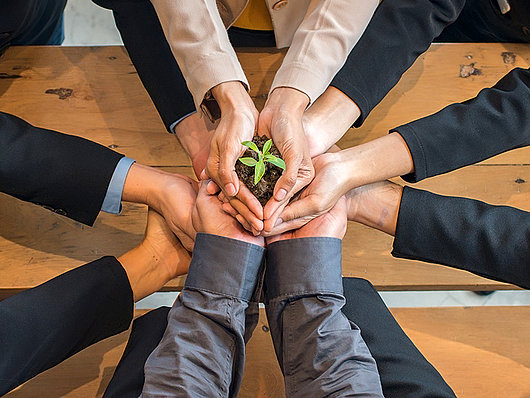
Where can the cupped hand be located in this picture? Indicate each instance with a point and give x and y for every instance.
(175, 200)
(329, 185)
(281, 119)
(238, 123)
(332, 224)
(209, 217)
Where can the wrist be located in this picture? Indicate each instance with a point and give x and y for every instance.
(376, 205)
(191, 132)
(288, 99)
(232, 97)
(144, 271)
(144, 185)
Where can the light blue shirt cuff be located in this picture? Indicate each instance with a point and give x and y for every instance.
(112, 201)
(172, 126)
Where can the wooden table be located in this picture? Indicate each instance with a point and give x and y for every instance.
(108, 105)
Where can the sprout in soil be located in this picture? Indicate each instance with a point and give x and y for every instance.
(263, 157)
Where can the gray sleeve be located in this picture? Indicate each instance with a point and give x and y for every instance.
(202, 351)
(321, 353)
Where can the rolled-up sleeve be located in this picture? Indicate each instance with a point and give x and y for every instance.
(203, 348)
(321, 353)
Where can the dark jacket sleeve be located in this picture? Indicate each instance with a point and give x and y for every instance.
(397, 34)
(151, 55)
(45, 325)
(66, 174)
(490, 241)
(495, 121)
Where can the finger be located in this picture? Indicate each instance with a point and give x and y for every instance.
(288, 226)
(203, 175)
(274, 219)
(227, 208)
(285, 184)
(212, 187)
(250, 201)
(247, 214)
(222, 197)
(244, 223)
(227, 175)
(299, 209)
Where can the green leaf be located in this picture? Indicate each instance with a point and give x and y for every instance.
(248, 161)
(251, 145)
(277, 162)
(267, 147)
(258, 172)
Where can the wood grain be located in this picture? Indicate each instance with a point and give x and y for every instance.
(480, 351)
(109, 105)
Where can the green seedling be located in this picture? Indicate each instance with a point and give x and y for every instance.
(265, 156)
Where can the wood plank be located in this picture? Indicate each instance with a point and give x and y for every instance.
(37, 245)
(109, 105)
(480, 351)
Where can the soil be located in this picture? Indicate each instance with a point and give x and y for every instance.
(264, 189)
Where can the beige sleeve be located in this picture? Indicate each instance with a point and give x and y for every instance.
(321, 44)
(198, 39)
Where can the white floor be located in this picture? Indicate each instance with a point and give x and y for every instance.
(88, 24)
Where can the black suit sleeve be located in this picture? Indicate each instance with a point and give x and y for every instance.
(68, 174)
(495, 121)
(151, 55)
(490, 241)
(45, 325)
(397, 34)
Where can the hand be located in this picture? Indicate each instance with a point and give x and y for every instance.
(159, 258)
(328, 119)
(238, 123)
(194, 134)
(171, 195)
(281, 119)
(209, 217)
(338, 173)
(318, 198)
(331, 224)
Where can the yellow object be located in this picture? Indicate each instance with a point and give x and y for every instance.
(255, 16)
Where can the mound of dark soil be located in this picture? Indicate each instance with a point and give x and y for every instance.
(264, 189)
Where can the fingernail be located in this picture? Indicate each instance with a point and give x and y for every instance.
(230, 189)
(281, 194)
(278, 222)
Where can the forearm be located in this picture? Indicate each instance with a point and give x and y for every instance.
(304, 299)
(65, 315)
(202, 351)
(200, 44)
(399, 32)
(495, 121)
(374, 161)
(491, 241)
(322, 43)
